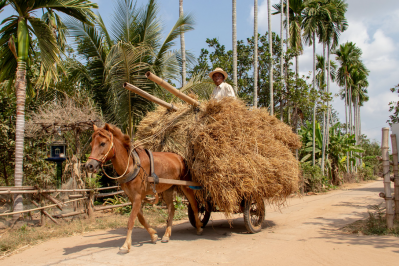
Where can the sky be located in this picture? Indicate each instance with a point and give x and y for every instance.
(373, 26)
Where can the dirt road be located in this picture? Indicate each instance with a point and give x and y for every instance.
(304, 233)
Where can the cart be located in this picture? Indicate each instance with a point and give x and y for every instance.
(254, 214)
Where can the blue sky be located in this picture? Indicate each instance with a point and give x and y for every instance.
(373, 26)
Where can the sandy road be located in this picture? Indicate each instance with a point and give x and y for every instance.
(304, 233)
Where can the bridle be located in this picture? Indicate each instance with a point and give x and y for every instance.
(104, 158)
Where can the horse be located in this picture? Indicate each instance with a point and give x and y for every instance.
(109, 143)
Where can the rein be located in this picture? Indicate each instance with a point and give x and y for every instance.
(104, 158)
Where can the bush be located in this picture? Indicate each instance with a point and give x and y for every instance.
(312, 177)
(366, 173)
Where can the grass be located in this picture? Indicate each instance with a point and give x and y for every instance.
(375, 224)
(13, 239)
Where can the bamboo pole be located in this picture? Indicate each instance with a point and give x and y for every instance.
(386, 175)
(112, 206)
(45, 213)
(171, 89)
(149, 97)
(63, 215)
(52, 190)
(40, 208)
(101, 195)
(396, 174)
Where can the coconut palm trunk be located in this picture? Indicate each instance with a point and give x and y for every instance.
(282, 49)
(328, 102)
(183, 48)
(269, 18)
(234, 45)
(314, 107)
(255, 53)
(323, 152)
(20, 86)
(287, 15)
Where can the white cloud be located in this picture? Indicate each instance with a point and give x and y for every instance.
(372, 25)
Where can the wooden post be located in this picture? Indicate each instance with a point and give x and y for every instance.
(42, 215)
(171, 89)
(386, 175)
(90, 211)
(149, 97)
(396, 174)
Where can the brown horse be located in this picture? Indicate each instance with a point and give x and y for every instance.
(109, 143)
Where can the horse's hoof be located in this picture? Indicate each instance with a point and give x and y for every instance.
(154, 238)
(165, 240)
(199, 231)
(123, 250)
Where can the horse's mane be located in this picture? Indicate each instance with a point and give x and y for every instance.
(125, 139)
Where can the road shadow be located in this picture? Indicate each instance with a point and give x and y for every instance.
(215, 230)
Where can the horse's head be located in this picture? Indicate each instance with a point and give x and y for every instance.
(102, 147)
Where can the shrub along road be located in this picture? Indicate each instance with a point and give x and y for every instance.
(307, 232)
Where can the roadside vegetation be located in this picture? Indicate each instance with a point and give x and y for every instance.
(375, 224)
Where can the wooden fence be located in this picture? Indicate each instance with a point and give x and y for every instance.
(86, 195)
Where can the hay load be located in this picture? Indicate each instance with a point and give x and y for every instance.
(233, 152)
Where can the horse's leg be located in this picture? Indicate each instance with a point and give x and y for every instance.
(168, 197)
(194, 205)
(136, 205)
(152, 232)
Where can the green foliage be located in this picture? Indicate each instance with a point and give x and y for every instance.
(366, 173)
(119, 200)
(93, 181)
(312, 177)
(394, 108)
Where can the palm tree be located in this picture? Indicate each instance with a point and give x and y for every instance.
(134, 48)
(183, 47)
(255, 53)
(269, 18)
(16, 38)
(333, 28)
(296, 8)
(235, 45)
(316, 13)
(347, 55)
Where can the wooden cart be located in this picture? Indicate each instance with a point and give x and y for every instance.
(254, 214)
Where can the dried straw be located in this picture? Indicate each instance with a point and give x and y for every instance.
(233, 152)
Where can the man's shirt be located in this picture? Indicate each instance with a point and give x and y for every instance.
(223, 90)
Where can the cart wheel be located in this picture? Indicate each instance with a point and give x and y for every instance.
(254, 215)
(204, 213)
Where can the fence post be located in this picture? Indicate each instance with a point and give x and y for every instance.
(395, 174)
(90, 211)
(386, 175)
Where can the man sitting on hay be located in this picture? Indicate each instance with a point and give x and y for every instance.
(222, 88)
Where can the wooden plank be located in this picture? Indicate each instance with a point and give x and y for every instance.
(174, 182)
(112, 206)
(75, 196)
(41, 208)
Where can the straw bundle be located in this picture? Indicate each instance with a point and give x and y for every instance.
(233, 152)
